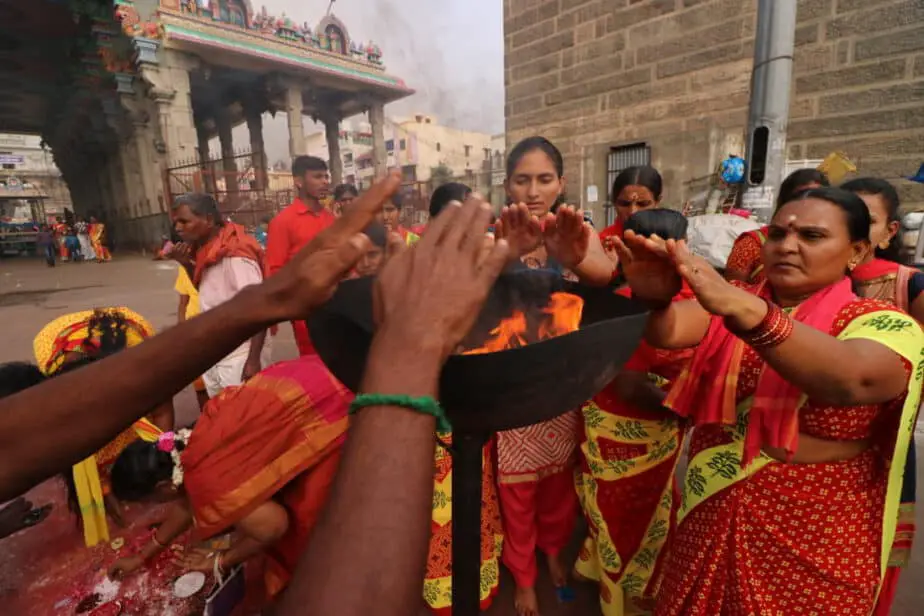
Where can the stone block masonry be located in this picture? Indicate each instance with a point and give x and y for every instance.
(675, 75)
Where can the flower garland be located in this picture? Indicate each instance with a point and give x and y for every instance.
(174, 443)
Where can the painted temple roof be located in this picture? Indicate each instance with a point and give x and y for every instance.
(234, 26)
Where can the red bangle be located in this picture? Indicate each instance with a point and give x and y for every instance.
(772, 331)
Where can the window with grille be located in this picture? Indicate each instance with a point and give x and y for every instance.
(619, 159)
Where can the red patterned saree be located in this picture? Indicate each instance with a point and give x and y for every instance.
(758, 536)
(627, 488)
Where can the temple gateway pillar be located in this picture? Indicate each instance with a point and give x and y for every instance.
(296, 129)
(171, 89)
(223, 120)
(257, 151)
(205, 158)
(332, 129)
(148, 169)
(379, 155)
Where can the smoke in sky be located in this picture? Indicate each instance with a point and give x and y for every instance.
(450, 51)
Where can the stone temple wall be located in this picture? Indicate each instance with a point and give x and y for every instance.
(674, 74)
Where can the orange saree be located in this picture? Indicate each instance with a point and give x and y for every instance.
(279, 437)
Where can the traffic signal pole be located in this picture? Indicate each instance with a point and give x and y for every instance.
(771, 83)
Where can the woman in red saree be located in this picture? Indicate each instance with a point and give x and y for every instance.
(882, 276)
(635, 189)
(261, 459)
(631, 447)
(803, 396)
(744, 262)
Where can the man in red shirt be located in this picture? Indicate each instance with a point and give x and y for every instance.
(298, 224)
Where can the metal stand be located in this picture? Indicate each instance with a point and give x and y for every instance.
(466, 522)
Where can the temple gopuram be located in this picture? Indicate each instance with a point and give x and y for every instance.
(141, 87)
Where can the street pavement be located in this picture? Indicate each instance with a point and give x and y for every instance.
(31, 294)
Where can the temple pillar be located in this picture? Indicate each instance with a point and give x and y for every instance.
(225, 137)
(257, 150)
(296, 129)
(332, 130)
(379, 154)
(169, 87)
(129, 167)
(148, 171)
(205, 158)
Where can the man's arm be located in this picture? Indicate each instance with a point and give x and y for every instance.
(127, 385)
(35, 446)
(368, 553)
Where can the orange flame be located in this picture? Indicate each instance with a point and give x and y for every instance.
(563, 316)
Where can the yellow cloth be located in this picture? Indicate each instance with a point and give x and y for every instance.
(90, 489)
(59, 337)
(76, 325)
(184, 286)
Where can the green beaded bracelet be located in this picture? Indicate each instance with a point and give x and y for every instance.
(422, 404)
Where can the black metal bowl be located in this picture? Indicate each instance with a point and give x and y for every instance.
(506, 389)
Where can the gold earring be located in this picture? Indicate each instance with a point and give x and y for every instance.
(883, 244)
(851, 265)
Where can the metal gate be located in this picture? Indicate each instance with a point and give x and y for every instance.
(243, 195)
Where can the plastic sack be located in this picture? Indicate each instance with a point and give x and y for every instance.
(711, 236)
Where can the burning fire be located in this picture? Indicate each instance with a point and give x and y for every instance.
(561, 316)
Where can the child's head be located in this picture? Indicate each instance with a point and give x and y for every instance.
(445, 194)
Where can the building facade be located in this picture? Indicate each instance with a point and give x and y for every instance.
(27, 167)
(416, 145)
(130, 99)
(621, 82)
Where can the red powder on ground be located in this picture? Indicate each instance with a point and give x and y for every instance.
(48, 570)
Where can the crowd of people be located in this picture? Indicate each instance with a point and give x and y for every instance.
(793, 377)
(81, 240)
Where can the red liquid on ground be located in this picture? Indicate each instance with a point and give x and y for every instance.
(47, 569)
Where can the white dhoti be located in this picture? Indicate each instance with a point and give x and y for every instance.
(228, 371)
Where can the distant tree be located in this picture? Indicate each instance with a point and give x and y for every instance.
(440, 174)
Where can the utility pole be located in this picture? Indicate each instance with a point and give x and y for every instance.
(771, 82)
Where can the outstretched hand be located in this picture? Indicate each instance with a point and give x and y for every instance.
(311, 277)
(567, 236)
(429, 295)
(522, 230)
(714, 293)
(648, 267)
